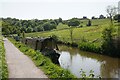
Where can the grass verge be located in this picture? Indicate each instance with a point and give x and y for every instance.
(3, 64)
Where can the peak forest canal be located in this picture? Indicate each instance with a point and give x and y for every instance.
(74, 60)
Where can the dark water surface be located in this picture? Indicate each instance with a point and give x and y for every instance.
(74, 60)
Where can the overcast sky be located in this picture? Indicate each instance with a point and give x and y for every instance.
(53, 9)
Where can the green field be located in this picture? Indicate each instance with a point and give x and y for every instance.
(92, 34)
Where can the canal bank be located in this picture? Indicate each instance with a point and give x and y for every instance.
(74, 60)
(50, 69)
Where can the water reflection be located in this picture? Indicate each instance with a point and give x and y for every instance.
(74, 60)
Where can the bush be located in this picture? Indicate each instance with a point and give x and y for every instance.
(31, 52)
(89, 23)
(117, 17)
(87, 46)
(108, 45)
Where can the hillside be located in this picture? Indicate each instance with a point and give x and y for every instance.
(92, 34)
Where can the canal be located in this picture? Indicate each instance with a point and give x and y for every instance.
(74, 60)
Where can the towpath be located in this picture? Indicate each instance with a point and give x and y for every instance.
(19, 65)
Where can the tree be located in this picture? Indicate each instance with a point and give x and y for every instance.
(46, 26)
(84, 17)
(5, 28)
(18, 33)
(93, 17)
(73, 22)
(5, 31)
(29, 29)
(117, 17)
(60, 20)
(39, 28)
(107, 45)
(101, 17)
(35, 29)
(108, 38)
(71, 33)
(111, 11)
(89, 23)
(23, 29)
(56, 21)
(23, 34)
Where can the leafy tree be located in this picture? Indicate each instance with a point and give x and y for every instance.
(23, 29)
(5, 28)
(29, 29)
(107, 45)
(56, 21)
(60, 20)
(84, 17)
(71, 33)
(93, 17)
(23, 34)
(53, 26)
(34, 25)
(18, 32)
(14, 30)
(73, 22)
(46, 26)
(53, 22)
(35, 29)
(117, 17)
(39, 28)
(49, 26)
(5, 31)
(89, 23)
(101, 17)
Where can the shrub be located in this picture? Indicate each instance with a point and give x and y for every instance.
(87, 46)
(108, 45)
(31, 52)
(89, 23)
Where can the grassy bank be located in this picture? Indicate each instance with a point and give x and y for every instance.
(44, 63)
(3, 65)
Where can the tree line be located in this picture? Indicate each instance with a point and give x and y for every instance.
(15, 26)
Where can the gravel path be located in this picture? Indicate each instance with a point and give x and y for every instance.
(19, 65)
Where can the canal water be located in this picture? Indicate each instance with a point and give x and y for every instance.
(74, 60)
